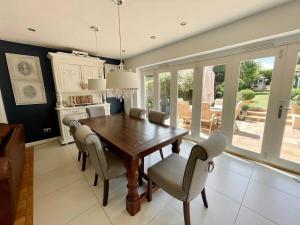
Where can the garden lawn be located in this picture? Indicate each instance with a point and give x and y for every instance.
(260, 100)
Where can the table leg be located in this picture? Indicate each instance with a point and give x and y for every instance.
(176, 146)
(133, 203)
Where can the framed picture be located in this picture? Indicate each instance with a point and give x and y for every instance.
(26, 79)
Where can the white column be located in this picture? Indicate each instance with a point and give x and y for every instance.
(173, 98)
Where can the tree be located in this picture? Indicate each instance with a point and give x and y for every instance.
(219, 71)
(267, 74)
(185, 83)
(249, 73)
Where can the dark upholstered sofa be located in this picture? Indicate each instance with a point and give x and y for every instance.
(12, 156)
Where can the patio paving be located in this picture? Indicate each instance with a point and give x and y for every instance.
(250, 135)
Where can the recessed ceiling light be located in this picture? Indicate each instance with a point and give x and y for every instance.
(31, 29)
(94, 28)
(183, 23)
(153, 37)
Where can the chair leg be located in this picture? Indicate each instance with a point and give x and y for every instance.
(96, 180)
(149, 197)
(79, 155)
(84, 156)
(186, 212)
(141, 171)
(203, 194)
(161, 154)
(105, 192)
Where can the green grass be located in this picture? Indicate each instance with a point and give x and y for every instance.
(260, 100)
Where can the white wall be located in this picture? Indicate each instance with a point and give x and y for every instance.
(282, 19)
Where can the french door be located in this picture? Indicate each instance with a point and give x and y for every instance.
(254, 98)
(263, 91)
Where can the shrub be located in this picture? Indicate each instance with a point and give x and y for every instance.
(219, 92)
(296, 100)
(246, 94)
(295, 92)
(245, 107)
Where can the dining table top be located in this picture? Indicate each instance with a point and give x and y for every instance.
(133, 137)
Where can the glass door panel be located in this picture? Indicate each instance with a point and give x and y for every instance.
(149, 92)
(290, 148)
(184, 98)
(164, 93)
(212, 99)
(255, 79)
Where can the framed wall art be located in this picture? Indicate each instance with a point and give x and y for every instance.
(26, 79)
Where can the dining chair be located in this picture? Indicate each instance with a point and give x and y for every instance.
(185, 179)
(137, 112)
(106, 164)
(73, 124)
(96, 111)
(159, 118)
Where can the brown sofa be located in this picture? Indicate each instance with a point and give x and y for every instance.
(12, 156)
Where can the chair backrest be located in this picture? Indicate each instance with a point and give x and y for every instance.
(137, 112)
(238, 108)
(73, 124)
(96, 111)
(184, 109)
(157, 117)
(199, 162)
(205, 110)
(93, 146)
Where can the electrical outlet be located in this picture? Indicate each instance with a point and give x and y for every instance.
(47, 130)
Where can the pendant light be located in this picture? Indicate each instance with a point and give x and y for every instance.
(121, 82)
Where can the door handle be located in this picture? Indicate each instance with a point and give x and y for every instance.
(281, 107)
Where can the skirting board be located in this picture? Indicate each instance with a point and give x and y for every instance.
(30, 144)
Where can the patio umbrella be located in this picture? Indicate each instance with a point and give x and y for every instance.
(208, 92)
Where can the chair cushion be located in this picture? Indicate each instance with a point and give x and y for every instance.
(168, 174)
(115, 165)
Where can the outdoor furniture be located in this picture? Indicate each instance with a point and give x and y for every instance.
(106, 164)
(185, 179)
(133, 139)
(73, 123)
(137, 112)
(184, 111)
(208, 118)
(238, 109)
(95, 111)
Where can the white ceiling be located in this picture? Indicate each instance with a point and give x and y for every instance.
(65, 23)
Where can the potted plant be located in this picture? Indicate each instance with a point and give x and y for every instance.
(246, 95)
(243, 112)
(295, 105)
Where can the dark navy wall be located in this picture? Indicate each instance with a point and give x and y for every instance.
(36, 117)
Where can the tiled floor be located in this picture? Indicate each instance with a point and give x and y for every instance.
(238, 192)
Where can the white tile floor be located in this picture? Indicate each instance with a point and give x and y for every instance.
(238, 192)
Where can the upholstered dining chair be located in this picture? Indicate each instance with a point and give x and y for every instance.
(159, 118)
(96, 111)
(185, 179)
(106, 164)
(137, 112)
(73, 123)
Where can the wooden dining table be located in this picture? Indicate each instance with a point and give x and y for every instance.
(133, 139)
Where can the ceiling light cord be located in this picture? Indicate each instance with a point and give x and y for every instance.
(96, 38)
(120, 38)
